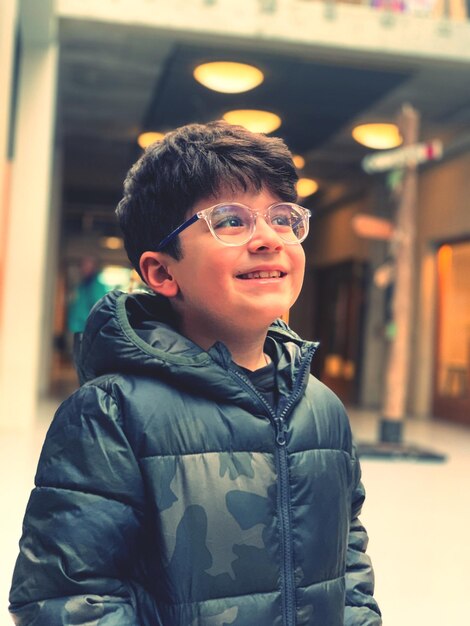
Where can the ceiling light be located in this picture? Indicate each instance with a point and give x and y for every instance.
(378, 136)
(228, 77)
(254, 120)
(112, 243)
(306, 186)
(299, 161)
(145, 139)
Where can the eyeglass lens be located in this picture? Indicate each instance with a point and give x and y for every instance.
(235, 223)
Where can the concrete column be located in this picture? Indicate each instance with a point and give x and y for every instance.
(8, 14)
(51, 269)
(27, 237)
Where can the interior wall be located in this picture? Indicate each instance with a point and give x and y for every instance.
(333, 240)
(443, 204)
(443, 216)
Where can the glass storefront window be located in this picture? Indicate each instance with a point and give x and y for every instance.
(453, 366)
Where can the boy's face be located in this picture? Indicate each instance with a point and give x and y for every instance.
(213, 288)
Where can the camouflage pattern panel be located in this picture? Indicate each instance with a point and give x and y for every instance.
(215, 521)
(81, 610)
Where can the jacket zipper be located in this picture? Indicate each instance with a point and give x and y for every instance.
(288, 586)
(287, 569)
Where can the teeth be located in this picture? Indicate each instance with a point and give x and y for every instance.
(266, 274)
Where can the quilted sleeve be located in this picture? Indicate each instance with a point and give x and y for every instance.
(361, 608)
(81, 529)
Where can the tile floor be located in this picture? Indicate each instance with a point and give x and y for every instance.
(417, 515)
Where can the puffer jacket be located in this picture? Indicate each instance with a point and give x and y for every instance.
(168, 493)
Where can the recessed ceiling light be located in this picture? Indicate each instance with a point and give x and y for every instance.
(112, 243)
(306, 186)
(299, 161)
(378, 136)
(228, 77)
(255, 120)
(146, 139)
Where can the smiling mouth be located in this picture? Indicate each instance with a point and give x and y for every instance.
(263, 274)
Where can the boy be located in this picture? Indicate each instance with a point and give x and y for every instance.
(200, 476)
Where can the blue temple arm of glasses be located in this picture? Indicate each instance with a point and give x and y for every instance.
(176, 232)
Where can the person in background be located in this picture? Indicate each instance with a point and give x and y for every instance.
(89, 290)
(200, 476)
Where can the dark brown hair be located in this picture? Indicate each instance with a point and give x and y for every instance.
(191, 163)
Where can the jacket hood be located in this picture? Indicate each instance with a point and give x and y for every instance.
(135, 334)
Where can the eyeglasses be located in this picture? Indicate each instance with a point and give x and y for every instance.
(233, 224)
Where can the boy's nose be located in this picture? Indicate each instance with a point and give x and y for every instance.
(264, 236)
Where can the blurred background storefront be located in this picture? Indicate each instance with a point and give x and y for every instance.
(80, 81)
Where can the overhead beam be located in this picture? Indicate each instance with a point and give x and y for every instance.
(347, 28)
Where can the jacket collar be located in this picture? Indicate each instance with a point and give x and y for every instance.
(135, 334)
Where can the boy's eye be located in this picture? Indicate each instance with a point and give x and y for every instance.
(281, 220)
(229, 221)
(230, 217)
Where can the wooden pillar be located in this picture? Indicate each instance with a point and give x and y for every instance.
(397, 376)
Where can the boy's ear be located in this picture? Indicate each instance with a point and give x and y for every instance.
(154, 268)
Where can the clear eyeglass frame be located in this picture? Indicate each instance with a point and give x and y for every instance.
(207, 215)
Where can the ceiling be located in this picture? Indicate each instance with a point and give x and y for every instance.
(117, 80)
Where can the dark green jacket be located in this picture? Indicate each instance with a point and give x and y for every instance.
(168, 493)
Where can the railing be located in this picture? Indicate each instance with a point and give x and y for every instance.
(457, 10)
(418, 20)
